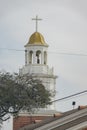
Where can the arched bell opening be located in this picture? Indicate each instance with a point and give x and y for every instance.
(31, 57)
(38, 57)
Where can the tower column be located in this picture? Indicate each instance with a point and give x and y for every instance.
(46, 58)
(42, 57)
(34, 57)
(25, 57)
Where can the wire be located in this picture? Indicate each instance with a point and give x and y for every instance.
(75, 54)
(10, 49)
(62, 53)
(70, 96)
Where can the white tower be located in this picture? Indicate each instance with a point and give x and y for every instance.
(36, 61)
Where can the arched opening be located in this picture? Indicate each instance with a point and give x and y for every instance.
(45, 57)
(38, 56)
(31, 57)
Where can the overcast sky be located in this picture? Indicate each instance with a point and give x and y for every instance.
(64, 27)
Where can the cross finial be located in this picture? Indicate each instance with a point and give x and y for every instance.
(36, 19)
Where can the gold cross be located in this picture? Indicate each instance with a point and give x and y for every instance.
(36, 19)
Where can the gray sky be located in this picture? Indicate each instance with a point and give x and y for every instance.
(64, 27)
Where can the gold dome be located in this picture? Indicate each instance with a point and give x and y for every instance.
(36, 39)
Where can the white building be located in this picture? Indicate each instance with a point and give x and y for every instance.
(36, 55)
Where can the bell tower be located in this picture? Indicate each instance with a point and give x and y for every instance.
(36, 50)
(36, 57)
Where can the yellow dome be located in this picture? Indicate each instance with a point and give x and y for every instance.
(36, 39)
